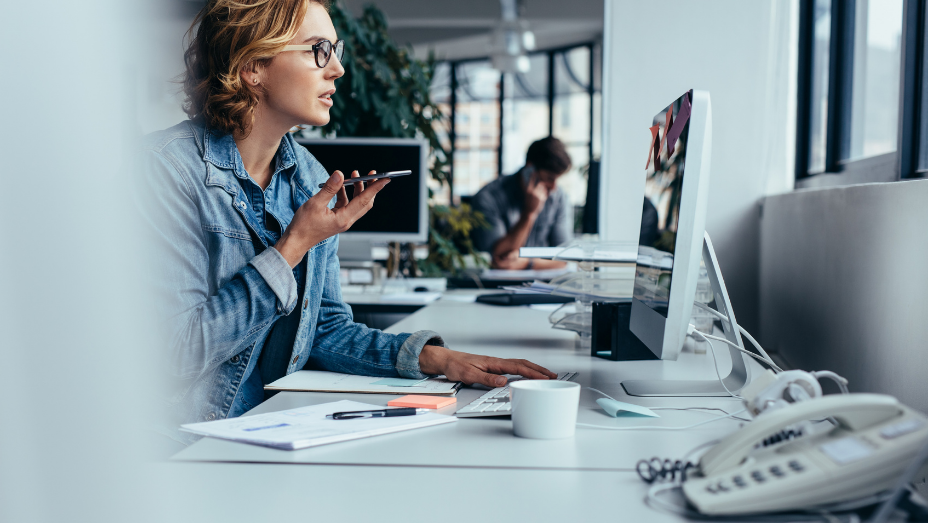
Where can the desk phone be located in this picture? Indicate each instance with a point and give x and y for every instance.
(866, 453)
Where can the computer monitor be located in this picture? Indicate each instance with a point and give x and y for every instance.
(400, 212)
(677, 182)
(673, 243)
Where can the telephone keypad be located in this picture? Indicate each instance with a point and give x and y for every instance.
(739, 482)
(777, 471)
(796, 466)
(758, 476)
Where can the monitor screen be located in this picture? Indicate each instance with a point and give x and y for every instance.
(661, 212)
(399, 209)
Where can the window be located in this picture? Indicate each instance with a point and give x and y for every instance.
(495, 117)
(476, 126)
(860, 100)
(573, 115)
(525, 112)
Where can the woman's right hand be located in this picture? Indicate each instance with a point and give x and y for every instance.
(313, 222)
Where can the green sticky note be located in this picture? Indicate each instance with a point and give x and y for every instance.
(397, 382)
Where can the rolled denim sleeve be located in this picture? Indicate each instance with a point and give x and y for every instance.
(273, 267)
(407, 360)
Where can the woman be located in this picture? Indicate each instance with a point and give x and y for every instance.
(249, 290)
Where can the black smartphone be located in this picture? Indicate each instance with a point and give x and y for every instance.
(369, 177)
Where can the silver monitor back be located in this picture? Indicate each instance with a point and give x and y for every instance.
(678, 187)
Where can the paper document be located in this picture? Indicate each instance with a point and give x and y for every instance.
(621, 256)
(522, 275)
(308, 426)
(620, 289)
(323, 381)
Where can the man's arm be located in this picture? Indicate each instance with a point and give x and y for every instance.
(506, 250)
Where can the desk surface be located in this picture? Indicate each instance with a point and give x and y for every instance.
(514, 332)
(231, 492)
(474, 468)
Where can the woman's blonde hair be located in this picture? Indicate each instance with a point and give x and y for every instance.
(232, 35)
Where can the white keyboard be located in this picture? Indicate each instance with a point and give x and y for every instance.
(496, 401)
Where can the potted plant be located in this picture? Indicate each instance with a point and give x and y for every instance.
(385, 93)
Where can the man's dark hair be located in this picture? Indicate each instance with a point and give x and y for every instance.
(548, 154)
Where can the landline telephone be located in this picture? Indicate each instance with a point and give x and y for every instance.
(874, 441)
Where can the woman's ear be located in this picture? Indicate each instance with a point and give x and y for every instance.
(251, 74)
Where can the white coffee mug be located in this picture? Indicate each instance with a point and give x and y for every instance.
(544, 409)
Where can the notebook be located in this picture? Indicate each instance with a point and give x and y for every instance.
(324, 381)
(305, 427)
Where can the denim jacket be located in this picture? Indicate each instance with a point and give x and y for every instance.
(218, 287)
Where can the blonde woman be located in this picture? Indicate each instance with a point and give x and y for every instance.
(247, 285)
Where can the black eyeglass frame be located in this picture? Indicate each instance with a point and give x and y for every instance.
(327, 48)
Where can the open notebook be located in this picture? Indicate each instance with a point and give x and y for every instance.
(304, 427)
(324, 381)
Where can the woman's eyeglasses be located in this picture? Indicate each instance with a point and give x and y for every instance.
(322, 50)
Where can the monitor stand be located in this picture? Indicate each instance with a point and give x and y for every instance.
(740, 373)
(354, 250)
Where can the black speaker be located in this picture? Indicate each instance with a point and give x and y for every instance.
(611, 337)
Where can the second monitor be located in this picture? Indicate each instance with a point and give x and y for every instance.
(400, 212)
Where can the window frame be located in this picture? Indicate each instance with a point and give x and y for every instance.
(901, 164)
(551, 96)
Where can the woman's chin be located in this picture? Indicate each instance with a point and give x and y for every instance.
(318, 119)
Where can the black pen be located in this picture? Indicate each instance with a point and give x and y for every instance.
(386, 413)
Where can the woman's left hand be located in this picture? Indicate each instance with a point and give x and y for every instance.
(472, 368)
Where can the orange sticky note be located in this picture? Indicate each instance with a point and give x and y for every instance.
(422, 402)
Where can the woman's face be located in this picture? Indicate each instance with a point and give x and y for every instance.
(296, 90)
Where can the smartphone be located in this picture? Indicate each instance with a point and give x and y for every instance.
(369, 177)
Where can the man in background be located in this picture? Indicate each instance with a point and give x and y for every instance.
(526, 209)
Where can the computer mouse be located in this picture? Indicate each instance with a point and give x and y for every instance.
(421, 289)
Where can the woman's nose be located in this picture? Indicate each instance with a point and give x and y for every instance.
(335, 68)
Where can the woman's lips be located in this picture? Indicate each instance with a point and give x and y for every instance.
(326, 97)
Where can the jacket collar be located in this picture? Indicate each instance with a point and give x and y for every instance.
(219, 149)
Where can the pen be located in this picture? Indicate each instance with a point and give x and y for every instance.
(386, 413)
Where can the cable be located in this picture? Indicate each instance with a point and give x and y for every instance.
(821, 514)
(715, 365)
(741, 329)
(882, 515)
(651, 427)
(757, 345)
(723, 411)
(767, 362)
(840, 380)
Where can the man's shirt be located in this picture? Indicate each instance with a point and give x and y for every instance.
(501, 202)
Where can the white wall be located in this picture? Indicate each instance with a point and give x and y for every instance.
(843, 284)
(743, 54)
(73, 376)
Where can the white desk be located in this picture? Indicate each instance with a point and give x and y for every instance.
(448, 454)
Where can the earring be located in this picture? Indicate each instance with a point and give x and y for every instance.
(256, 81)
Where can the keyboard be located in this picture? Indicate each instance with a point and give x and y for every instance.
(496, 401)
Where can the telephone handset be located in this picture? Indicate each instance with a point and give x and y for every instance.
(853, 411)
(865, 454)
